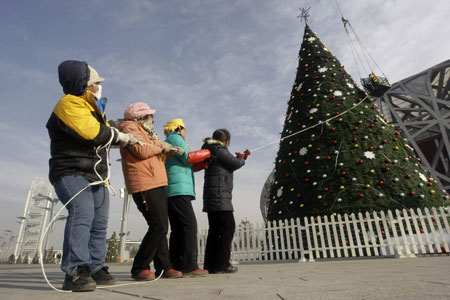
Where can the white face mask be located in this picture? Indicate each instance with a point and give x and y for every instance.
(98, 94)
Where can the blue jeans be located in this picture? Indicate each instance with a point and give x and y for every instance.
(85, 232)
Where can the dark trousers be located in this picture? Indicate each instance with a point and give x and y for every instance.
(183, 236)
(218, 243)
(153, 206)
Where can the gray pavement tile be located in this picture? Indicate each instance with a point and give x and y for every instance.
(412, 278)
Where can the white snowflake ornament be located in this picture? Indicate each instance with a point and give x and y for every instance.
(303, 151)
(423, 177)
(280, 192)
(369, 154)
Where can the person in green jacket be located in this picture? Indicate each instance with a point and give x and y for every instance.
(180, 192)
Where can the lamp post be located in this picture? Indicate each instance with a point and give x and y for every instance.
(123, 227)
(52, 202)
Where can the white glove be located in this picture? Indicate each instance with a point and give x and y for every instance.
(166, 147)
(178, 150)
(126, 139)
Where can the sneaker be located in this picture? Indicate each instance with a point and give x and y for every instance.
(144, 275)
(229, 269)
(102, 277)
(82, 282)
(196, 273)
(172, 274)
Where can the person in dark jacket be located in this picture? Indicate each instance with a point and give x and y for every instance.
(80, 137)
(217, 194)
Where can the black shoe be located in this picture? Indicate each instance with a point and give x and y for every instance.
(102, 277)
(230, 269)
(82, 282)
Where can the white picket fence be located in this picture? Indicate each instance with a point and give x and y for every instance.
(404, 233)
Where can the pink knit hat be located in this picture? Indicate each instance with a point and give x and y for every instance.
(138, 110)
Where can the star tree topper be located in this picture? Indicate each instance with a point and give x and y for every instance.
(304, 14)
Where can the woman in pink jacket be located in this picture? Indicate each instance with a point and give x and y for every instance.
(145, 178)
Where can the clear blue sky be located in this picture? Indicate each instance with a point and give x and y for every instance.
(216, 64)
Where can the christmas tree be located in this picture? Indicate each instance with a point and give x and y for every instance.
(112, 253)
(337, 154)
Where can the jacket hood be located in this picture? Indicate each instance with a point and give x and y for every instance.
(210, 141)
(73, 76)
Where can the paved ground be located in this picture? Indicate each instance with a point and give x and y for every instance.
(408, 278)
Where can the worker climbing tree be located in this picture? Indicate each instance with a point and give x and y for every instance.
(337, 154)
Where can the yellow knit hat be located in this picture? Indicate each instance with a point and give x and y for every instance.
(172, 125)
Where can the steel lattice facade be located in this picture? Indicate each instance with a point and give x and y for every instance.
(419, 107)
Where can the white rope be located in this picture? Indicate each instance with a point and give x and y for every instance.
(308, 128)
